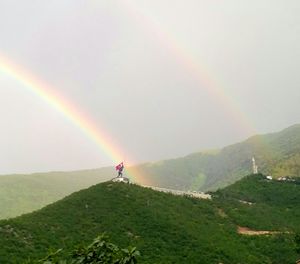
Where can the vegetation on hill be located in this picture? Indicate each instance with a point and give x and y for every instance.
(262, 204)
(277, 154)
(25, 193)
(165, 228)
(100, 251)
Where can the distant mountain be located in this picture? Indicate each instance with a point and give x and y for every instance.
(166, 228)
(25, 193)
(277, 154)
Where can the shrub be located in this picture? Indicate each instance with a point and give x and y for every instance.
(100, 251)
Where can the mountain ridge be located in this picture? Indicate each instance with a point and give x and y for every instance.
(277, 154)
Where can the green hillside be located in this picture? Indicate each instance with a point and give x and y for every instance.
(277, 154)
(165, 228)
(275, 204)
(24, 193)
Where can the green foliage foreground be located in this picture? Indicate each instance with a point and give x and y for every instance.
(100, 251)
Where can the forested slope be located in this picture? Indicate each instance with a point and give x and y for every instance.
(165, 228)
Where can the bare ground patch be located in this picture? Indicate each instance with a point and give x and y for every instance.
(251, 232)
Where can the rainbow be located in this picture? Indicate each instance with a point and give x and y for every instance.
(70, 112)
(99, 136)
(186, 60)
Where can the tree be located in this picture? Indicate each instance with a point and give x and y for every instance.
(100, 251)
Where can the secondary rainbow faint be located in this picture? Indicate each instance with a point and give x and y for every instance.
(71, 112)
(205, 79)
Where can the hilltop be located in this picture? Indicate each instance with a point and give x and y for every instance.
(277, 154)
(164, 227)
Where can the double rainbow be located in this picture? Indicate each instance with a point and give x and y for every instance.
(90, 128)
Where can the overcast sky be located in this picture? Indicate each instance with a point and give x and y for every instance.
(163, 78)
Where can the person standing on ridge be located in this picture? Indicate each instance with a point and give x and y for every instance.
(120, 168)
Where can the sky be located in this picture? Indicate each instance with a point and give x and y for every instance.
(156, 79)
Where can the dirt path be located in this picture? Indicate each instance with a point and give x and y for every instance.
(250, 232)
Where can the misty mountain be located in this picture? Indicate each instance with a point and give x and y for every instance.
(25, 193)
(277, 154)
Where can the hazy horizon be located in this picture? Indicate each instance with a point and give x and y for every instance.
(161, 78)
(145, 161)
